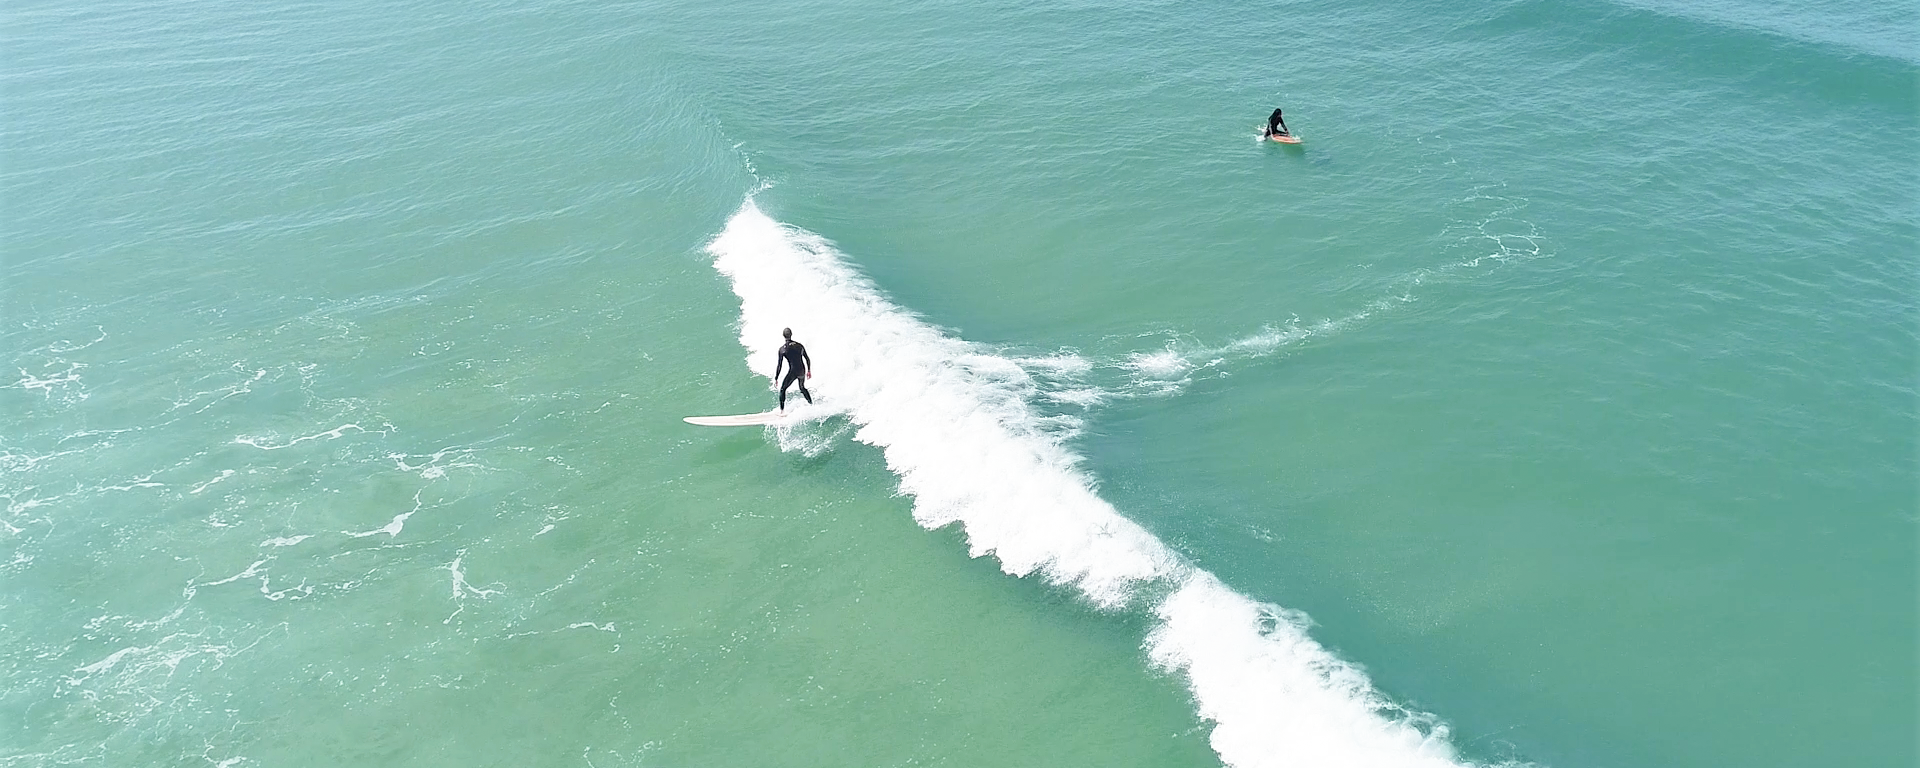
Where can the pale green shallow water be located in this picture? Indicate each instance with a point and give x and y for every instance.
(1565, 378)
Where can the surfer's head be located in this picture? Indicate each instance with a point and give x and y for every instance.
(786, 333)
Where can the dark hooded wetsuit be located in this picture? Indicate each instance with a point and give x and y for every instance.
(1275, 125)
(794, 355)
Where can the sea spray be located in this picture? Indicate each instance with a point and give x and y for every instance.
(958, 426)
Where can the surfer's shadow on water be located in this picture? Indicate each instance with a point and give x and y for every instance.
(1318, 158)
(730, 448)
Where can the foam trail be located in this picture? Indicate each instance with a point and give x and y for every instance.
(946, 414)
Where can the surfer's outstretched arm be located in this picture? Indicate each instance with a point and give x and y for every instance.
(809, 360)
(777, 360)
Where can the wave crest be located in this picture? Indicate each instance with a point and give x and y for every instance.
(958, 426)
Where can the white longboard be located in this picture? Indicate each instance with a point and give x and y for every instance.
(743, 420)
(794, 415)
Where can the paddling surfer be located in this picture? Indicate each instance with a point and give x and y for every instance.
(1275, 125)
(799, 366)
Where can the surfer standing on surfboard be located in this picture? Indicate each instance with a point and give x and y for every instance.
(1275, 125)
(793, 355)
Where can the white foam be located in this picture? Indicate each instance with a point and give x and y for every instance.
(1162, 364)
(1062, 363)
(399, 522)
(946, 415)
(461, 588)
(1085, 397)
(392, 528)
(1279, 698)
(224, 474)
(57, 380)
(266, 443)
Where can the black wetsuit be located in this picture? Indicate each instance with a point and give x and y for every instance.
(794, 355)
(1275, 125)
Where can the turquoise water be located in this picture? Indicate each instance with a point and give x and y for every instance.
(1553, 404)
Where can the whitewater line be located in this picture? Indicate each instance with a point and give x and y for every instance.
(945, 414)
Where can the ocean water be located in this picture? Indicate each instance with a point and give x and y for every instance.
(1553, 404)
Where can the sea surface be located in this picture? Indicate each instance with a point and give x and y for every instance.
(1554, 404)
